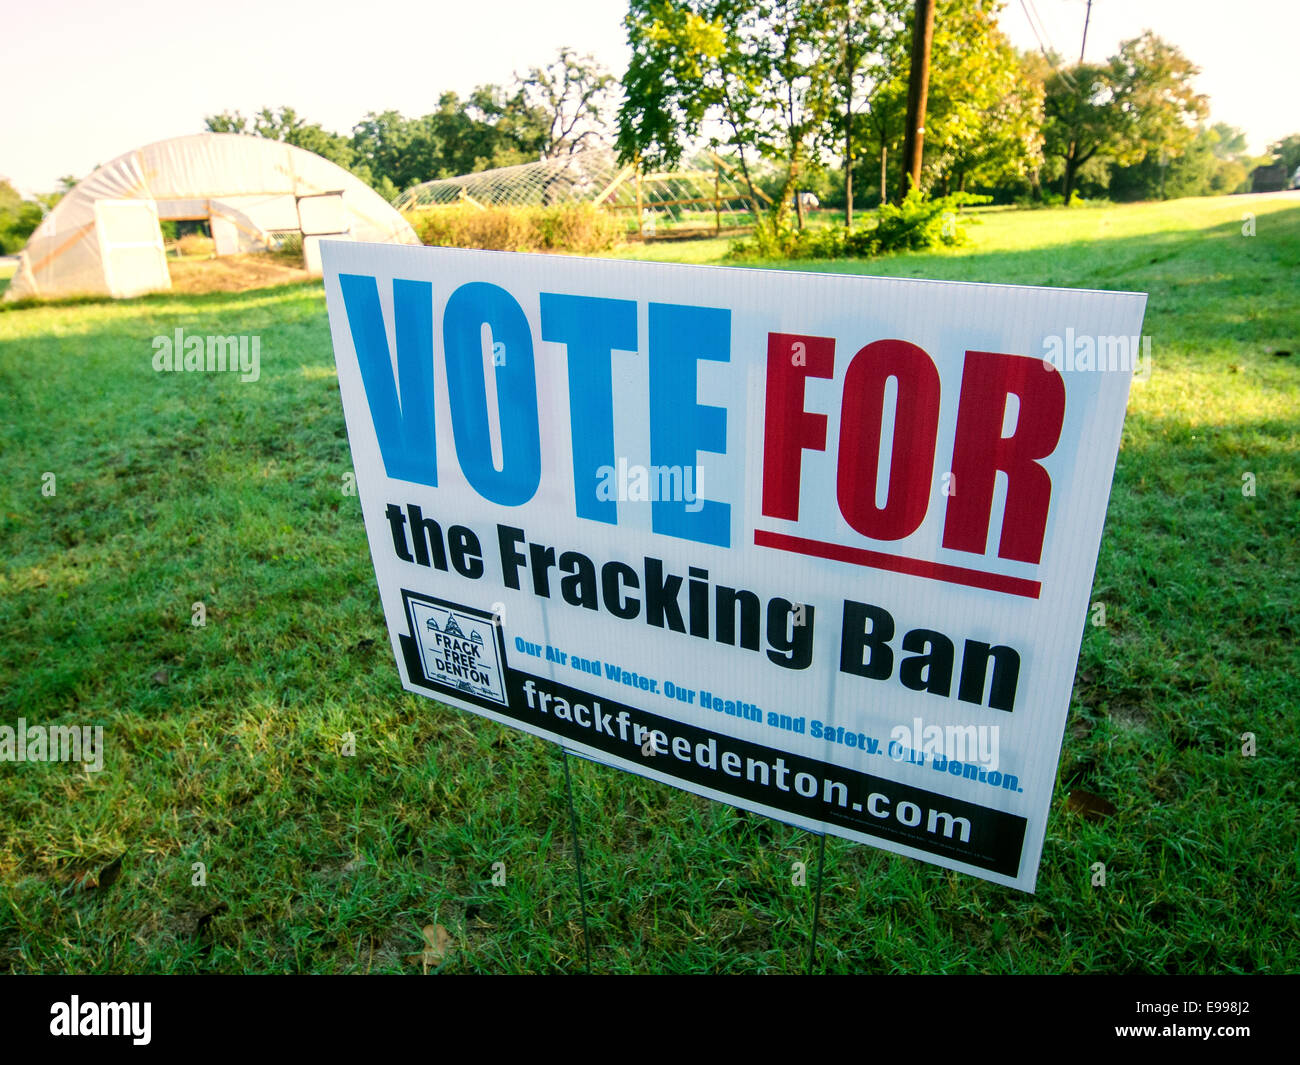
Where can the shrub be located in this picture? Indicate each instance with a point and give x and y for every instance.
(574, 227)
(917, 222)
(1051, 199)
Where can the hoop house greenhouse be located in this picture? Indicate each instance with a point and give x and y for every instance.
(104, 236)
(672, 203)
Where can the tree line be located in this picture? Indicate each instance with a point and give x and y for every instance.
(807, 95)
(816, 90)
(548, 111)
(812, 95)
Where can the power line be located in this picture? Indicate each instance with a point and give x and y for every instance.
(1041, 47)
(1065, 74)
(1043, 26)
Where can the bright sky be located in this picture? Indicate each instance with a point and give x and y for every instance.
(87, 80)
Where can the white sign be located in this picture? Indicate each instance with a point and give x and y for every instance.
(819, 546)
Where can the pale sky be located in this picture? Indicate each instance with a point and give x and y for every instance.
(87, 80)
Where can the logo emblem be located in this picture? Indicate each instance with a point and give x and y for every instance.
(458, 647)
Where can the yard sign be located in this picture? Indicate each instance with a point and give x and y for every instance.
(818, 546)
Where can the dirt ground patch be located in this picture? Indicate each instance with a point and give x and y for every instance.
(232, 273)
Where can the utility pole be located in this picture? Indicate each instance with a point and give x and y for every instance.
(848, 115)
(918, 89)
(1086, 19)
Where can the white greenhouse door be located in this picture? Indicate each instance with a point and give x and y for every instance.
(130, 242)
(319, 216)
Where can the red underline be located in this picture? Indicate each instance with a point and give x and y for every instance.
(935, 571)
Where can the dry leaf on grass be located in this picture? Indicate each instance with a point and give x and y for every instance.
(437, 945)
(98, 878)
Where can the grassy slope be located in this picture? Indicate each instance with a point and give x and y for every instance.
(222, 740)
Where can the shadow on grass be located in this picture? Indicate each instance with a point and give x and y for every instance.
(152, 299)
(1214, 284)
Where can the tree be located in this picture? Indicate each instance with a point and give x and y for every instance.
(1155, 94)
(753, 68)
(284, 124)
(1081, 120)
(491, 128)
(1287, 152)
(866, 36)
(520, 129)
(572, 98)
(685, 67)
(985, 113)
(1215, 163)
(886, 112)
(797, 79)
(392, 149)
(460, 137)
(1139, 101)
(18, 219)
(48, 200)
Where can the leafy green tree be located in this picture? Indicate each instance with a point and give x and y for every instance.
(48, 199)
(1215, 163)
(984, 117)
(686, 67)
(226, 122)
(754, 68)
(1287, 152)
(866, 37)
(18, 219)
(285, 124)
(1139, 102)
(520, 128)
(882, 128)
(571, 97)
(386, 144)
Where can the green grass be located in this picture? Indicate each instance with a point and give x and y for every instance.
(223, 740)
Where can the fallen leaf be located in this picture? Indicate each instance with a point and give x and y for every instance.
(87, 881)
(1089, 806)
(93, 879)
(437, 946)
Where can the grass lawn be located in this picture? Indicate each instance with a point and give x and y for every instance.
(223, 740)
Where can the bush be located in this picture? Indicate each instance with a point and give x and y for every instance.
(917, 222)
(1051, 199)
(575, 227)
(17, 223)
